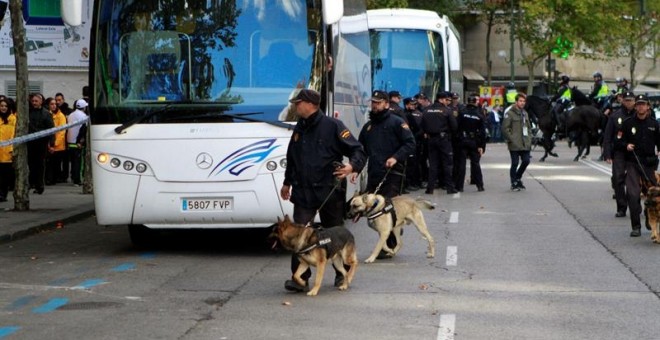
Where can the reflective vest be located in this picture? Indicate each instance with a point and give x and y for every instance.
(604, 91)
(566, 95)
(7, 132)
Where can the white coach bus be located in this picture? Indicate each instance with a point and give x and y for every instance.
(414, 51)
(190, 119)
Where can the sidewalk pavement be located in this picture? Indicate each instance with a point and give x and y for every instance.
(59, 203)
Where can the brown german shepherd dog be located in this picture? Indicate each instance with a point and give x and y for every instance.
(314, 247)
(652, 207)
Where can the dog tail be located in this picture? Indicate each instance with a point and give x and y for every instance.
(424, 204)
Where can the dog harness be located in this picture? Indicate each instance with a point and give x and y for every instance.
(323, 241)
(387, 209)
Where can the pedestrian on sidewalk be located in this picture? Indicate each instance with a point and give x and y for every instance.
(56, 151)
(7, 130)
(40, 119)
(516, 130)
(74, 137)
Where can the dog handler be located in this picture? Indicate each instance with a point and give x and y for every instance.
(317, 144)
(641, 135)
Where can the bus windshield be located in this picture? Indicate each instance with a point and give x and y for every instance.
(204, 60)
(408, 61)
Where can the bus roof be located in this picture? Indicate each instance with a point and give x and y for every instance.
(407, 18)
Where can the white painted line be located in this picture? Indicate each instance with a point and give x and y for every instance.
(602, 167)
(447, 325)
(453, 217)
(452, 255)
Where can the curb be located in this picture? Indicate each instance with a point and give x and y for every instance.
(45, 226)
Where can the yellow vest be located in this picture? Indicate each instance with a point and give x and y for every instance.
(603, 92)
(59, 119)
(7, 132)
(511, 96)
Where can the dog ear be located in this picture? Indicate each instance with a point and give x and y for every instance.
(286, 218)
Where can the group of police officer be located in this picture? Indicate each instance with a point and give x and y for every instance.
(446, 134)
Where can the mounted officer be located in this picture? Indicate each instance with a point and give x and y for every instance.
(511, 93)
(600, 92)
(561, 100)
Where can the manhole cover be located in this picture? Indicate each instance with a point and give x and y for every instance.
(90, 305)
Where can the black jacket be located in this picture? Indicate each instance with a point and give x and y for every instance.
(613, 134)
(472, 126)
(316, 143)
(386, 135)
(645, 135)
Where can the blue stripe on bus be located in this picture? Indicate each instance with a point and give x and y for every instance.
(148, 255)
(124, 267)
(89, 284)
(50, 306)
(4, 331)
(184, 204)
(21, 302)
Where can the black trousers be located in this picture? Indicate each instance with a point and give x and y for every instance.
(519, 162)
(440, 155)
(619, 180)
(37, 151)
(634, 175)
(75, 157)
(331, 214)
(468, 150)
(6, 176)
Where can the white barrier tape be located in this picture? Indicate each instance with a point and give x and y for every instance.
(42, 133)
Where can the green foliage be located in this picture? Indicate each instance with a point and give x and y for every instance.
(375, 4)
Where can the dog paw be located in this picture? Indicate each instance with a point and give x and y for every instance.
(370, 260)
(430, 255)
(312, 292)
(343, 287)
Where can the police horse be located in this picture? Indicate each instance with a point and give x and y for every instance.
(541, 109)
(582, 122)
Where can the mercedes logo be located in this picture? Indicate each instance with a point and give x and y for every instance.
(204, 161)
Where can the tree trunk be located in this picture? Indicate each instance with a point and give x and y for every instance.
(22, 186)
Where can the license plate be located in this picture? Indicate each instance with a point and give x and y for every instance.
(207, 204)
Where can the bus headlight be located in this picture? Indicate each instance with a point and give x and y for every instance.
(271, 166)
(141, 167)
(128, 165)
(283, 163)
(115, 162)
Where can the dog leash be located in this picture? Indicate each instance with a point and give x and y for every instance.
(318, 211)
(382, 181)
(648, 180)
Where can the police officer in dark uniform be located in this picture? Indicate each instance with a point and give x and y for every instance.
(413, 170)
(388, 142)
(641, 135)
(317, 143)
(614, 150)
(438, 125)
(472, 140)
(395, 107)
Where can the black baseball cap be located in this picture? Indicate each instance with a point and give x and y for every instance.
(454, 95)
(307, 95)
(628, 94)
(444, 94)
(379, 96)
(409, 100)
(641, 99)
(420, 96)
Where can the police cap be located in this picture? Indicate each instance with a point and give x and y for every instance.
(307, 95)
(628, 95)
(444, 94)
(394, 94)
(641, 99)
(379, 96)
(407, 101)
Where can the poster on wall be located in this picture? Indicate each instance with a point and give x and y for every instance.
(492, 95)
(50, 42)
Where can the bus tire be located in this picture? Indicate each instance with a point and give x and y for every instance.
(140, 235)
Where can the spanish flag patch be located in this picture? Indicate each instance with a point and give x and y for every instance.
(345, 134)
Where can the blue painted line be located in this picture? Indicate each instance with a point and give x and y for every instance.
(124, 267)
(88, 284)
(50, 306)
(148, 255)
(21, 302)
(4, 331)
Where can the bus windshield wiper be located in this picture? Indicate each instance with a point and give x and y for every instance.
(242, 116)
(120, 129)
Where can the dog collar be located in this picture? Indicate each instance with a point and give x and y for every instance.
(386, 210)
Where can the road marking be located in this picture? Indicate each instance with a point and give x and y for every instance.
(4, 331)
(124, 267)
(452, 255)
(50, 306)
(453, 217)
(89, 284)
(596, 165)
(447, 324)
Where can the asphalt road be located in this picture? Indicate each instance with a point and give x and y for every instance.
(551, 262)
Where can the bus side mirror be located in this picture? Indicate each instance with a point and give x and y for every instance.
(71, 11)
(333, 10)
